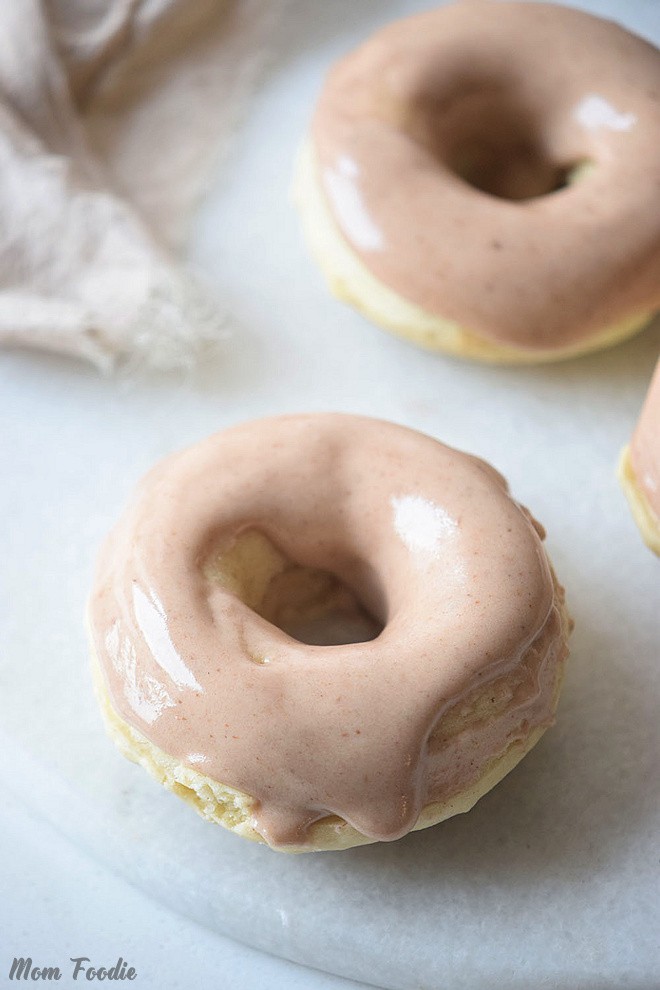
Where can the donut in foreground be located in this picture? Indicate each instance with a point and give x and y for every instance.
(483, 179)
(639, 467)
(325, 630)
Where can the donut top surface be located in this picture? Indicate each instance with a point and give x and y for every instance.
(427, 540)
(498, 164)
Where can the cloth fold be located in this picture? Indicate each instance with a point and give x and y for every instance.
(112, 114)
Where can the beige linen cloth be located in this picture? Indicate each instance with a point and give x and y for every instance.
(112, 113)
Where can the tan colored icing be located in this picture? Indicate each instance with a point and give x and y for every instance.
(645, 446)
(428, 539)
(517, 97)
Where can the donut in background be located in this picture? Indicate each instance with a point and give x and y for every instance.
(639, 467)
(483, 179)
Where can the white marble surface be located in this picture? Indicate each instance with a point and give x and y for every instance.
(58, 904)
(552, 880)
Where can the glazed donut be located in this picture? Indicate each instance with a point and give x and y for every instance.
(483, 179)
(639, 467)
(208, 675)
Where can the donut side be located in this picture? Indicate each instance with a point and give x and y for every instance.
(639, 467)
(351, 282)
(646, 519)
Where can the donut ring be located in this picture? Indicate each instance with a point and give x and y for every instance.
(303, 746)
(483, 179)
(639, 467)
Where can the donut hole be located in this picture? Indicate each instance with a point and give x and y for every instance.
(311, 605)
(491, 142)
(516, 172)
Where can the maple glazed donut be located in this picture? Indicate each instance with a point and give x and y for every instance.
(483, 179)
(639, 467)
(232, 550)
